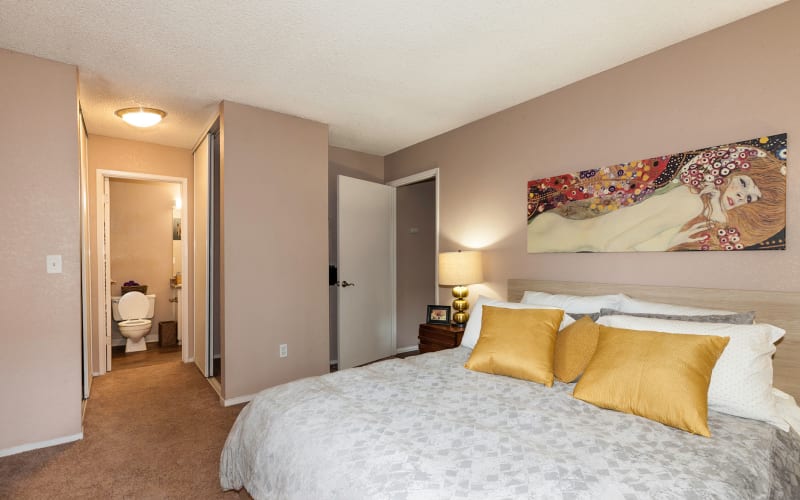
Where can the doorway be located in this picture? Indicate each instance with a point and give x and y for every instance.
(416, 259)
(347, 332)
(175, 213)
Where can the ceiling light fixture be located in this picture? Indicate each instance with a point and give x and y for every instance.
(141, 117)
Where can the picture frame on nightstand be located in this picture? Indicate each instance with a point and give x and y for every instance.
(438, 315)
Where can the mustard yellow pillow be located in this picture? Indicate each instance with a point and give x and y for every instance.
(575, 346)
(660, 376)
(518, 343)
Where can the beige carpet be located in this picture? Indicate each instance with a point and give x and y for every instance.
(150, 432)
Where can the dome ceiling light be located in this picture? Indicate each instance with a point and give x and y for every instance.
(141, 117)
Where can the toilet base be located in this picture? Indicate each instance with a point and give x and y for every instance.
(135, 345)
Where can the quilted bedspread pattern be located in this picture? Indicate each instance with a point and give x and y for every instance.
(427, 428)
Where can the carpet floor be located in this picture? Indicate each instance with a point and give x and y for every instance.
(150, 432)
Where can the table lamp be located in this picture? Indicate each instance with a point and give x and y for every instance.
(459, 269)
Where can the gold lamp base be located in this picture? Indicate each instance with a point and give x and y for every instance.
(460, 305)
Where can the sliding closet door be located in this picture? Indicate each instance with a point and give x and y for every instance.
(215, 254)
(201, 172)
(86, 276)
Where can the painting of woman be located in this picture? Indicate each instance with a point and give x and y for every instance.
(729, 197)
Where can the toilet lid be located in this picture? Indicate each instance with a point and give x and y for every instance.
(133, 305)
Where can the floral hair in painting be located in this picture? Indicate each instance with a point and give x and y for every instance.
(729, 197)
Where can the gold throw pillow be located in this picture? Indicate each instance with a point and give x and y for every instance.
(518, 343)
(575, 347)
(660, 376)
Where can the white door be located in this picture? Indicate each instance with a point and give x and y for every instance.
(366, 271)
(201, 324)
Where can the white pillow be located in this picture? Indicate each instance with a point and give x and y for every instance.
(473, 329)
(629, 305)
(787, 408)
(576, 304)
(741, 382)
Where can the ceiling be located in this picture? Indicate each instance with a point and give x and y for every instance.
(383, 74)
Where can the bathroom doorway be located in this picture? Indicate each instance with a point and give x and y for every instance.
(139, 203)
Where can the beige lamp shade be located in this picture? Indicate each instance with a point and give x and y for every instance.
(460, 268)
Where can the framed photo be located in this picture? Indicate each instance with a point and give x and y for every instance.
(438, 315)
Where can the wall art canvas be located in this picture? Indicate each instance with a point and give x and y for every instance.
(728, 197)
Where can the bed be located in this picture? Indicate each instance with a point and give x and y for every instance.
(426, 427)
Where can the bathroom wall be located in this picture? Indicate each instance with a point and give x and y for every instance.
(141, 243)
(108, 153)
(351, 164)
(40, 357)
(736, 82)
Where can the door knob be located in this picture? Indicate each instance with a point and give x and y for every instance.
(346, 284)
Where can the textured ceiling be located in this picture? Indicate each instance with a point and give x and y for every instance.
(383, 74)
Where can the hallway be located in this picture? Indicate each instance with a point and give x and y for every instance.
(149, 432)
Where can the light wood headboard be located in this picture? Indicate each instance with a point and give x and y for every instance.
(781, 309)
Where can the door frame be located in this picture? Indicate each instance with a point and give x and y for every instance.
(103, 292)
(404, 181)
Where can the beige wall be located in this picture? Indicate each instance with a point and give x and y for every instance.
(416, 258)
(359, 166)
(141, 243)
(737, 82)
(108, 153)
(40, 357)
(275, 252)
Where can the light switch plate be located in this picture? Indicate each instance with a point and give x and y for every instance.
(53, 264)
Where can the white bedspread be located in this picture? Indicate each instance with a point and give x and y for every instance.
(427, 428)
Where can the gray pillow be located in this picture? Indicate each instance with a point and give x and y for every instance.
(745, 318)
(593, 316)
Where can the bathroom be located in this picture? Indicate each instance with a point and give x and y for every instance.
(145, 246)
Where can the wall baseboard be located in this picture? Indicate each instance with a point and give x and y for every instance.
(236, 401)
(41, 444)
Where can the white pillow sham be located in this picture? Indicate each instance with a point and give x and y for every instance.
(574, 303)
(473, 329)
(787, 408)
(630, 305)
(741, 382)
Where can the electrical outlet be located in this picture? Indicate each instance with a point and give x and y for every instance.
(53, 264)
(284, 350)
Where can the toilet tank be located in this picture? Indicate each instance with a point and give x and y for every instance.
(151, 310)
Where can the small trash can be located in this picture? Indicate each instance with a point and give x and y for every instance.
(167, 333)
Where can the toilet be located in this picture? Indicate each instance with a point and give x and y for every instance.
(134, 312)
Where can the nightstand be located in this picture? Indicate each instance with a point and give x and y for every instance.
(438, 337)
